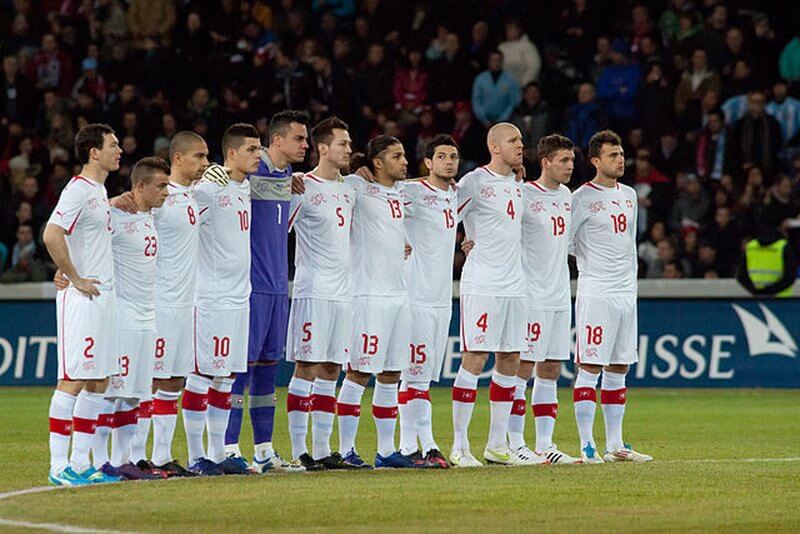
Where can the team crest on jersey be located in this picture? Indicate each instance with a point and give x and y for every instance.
(430, 200)
(537, 206)
(487, 193)
(170, 201)
(346, 197)
(93, 204)
(372, 190)
(519, 192)
(224, 201)
(318, 199)
(597, 206)
(629, 203)
(566, 206)
(130, 227)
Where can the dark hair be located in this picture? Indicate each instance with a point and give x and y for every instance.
(181, 141)
(603, 137)
(146, 168)
(279, 124)
(375, 147)
(233, 136)
(437, 141)
(323, 131)
(550, 144)
(89, 137)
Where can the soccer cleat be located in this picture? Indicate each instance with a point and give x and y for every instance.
(553, 456)
(499, 456)
(396, 460)
(110, 470)
(464, 458)
(174, 469)
(435, 460)
(235, 465)
(95, 476)
(308, 463)
(524, 456)
(589, 455)
(278, 464)
(354, 461)
(262, 466)
(149, 467)
(67, 477)
(132, 472)
(334, 461)
(205, 467)
(416, 459)
(626, 454)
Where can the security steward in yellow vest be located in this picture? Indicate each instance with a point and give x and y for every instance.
(768, 266)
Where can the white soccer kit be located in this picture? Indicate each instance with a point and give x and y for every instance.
(222, 312)
(135, 246)
(86, 326)
(177, 225)
(430, 221)
(493, 308)
(320, 319)
(381, 318)
(604, 243)
(546, 219)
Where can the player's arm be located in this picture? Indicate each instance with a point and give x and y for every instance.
(578, 218)
(55, 239)
(204, 195)
(295, 210)
(464, 197)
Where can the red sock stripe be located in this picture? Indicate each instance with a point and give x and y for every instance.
(61, 426)
(402, 398)
(196, 402)
(464, 395)
(145, 409)
(323, 403)
(519, 407)
(418, 394)
(545, 410)
(296, 403)
(105, 419)
(498, 393)
(348, 409)
(584, 394)
(616, 396)
(125, 418)
(165, 407)
(384, 412)
(219, 399)
(87, 426)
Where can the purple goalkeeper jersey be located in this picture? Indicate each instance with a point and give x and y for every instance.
(271, 192)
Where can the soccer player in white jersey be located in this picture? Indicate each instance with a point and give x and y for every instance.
(493, 307)
(604, 242)
(320, 319)
(78, 238)
(379, 344)
(221, 310)
(430, 220)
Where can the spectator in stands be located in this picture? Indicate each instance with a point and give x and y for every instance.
(521, 58)
(691, 206)
(725, 233)
(533, 118)
(754, 140)
(790, 61)
(90, 82)
(618, 88)
(769, 265)
(495, 92)
(52, 67)
(18, 96)
(480, 46)
(786, 111)
(411, 83)
(648, 248)
(450, 79)
(655, 101)
(150, 22)
(710, 148)
(585, 118)
(470, 136)
(780, 204)
(25, 263)
(653, 189)
(374, 82)
(696, 81)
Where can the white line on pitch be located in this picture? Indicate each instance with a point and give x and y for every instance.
(730, 460)
(55, 527)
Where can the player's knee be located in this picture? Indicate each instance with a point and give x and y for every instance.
(549, 370)
(525, 370)
(507, 363)
(359, 378)
(329, 371)
(389, 377)
(619, 369)
(594, 369)
(96, 386)
(70, 387)
(306, 371)
(474, 361)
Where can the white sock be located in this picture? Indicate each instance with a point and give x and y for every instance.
(84, 421)
(545, 409)
(323, 412)
(298, 406)
(219, 408)
(139, 442)
(194, 406)
(612, 397)
(348, 409)
(419, 403)
(125, 427)
(62, 405)
(408, 430)
(501, 398)
(165, 417)
(263, 451)
(384, 412)
(584, 397)
(465, 389)
(102, 433)
(516, 421)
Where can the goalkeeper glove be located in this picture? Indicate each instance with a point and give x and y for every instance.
(216, 174)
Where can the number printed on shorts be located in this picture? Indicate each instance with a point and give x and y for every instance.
(190, 212)
(594, 335)
(339, 216)
(160, 344)
(244, 220)
(620, 223)
(449, 220)
(222, 346)
(394, 205)
(534, 331)
(124, 365)
(306, 332)
(559, 225)
(369, 344)
(483, 322)
(150, 246)
(89, 346)
(418, 355)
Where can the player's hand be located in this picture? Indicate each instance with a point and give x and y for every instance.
(87, 286)
(408, 250)
(216, 174)
(298, 185)
(520, 172)
(366, 174)
(466, 246)
(60, 280)
(124, 202)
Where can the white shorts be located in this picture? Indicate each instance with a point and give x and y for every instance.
(380, 334)
(174, 353)
(430, 328)
(220, 340)
(134, 376)
(606, 330)
(87, 336)
(548, 336)
(319, 331)
(492, 324)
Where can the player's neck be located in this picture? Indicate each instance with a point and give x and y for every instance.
(94, 173)
(384, 180)
(278, 160)
(439, 183)
(326, 171)
(548, 182)
(498, 167)
(236, 176)
(141, 205)
(180, 180)
(605, 181)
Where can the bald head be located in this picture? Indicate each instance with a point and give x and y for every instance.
(502, 131)
(185, 141)
(188, 154)
(505, 145)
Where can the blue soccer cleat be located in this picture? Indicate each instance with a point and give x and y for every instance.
(205, 467)
(395, 460)
(95, 476)
(235, 465)
(353, 461)
(67, 477)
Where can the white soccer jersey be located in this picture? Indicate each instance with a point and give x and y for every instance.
(83, 211)
(377, 240)
(546, 217)
(491, 207)
(223, 267)
(321, 220)
(135, 245)
(430, 220)
(604, 239)
(177, 225)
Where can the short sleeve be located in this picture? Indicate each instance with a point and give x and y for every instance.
(295, 209)
(578, 212)
(409, 200)
(204, 195)
(464, 193)
(70, 205)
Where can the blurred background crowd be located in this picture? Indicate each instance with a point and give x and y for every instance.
(702, 92)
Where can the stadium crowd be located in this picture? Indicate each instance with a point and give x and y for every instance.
(700, 91)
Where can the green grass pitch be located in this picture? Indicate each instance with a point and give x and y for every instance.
(724, 460)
